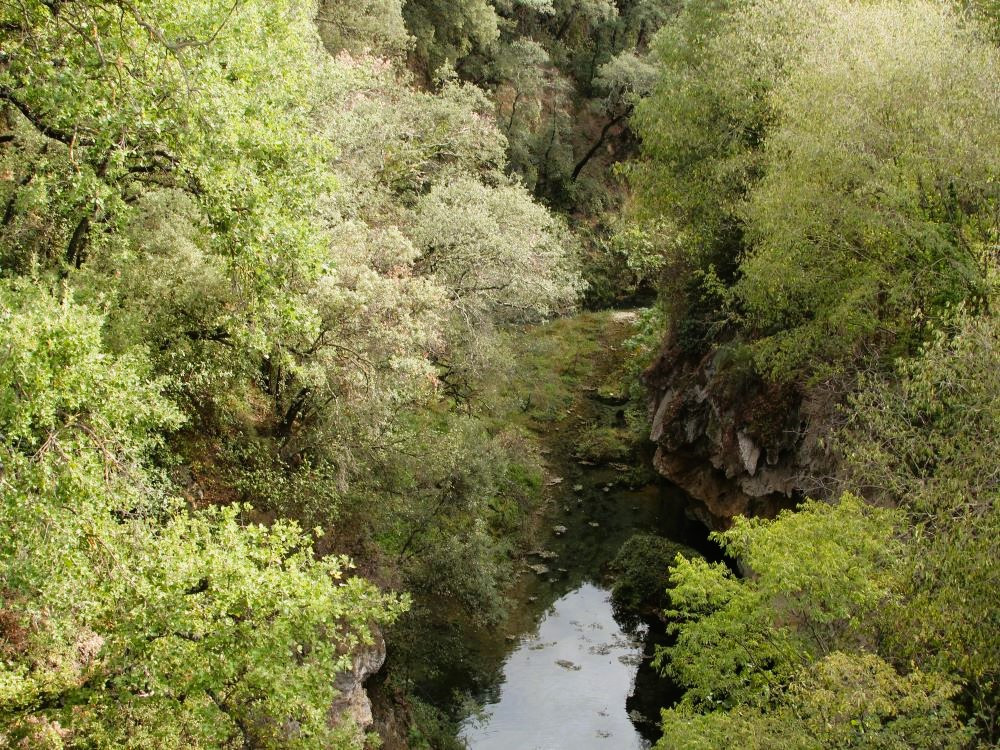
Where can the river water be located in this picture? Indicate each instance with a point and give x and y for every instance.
(573, 677)
(578, 666)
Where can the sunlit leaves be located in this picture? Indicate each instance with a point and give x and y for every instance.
(870, 211)
(497, 253)
(817, 579)
(123, 608)
(843, 701)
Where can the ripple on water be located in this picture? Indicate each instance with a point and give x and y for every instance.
(565, 687)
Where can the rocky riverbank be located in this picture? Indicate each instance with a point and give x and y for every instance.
(737, 446)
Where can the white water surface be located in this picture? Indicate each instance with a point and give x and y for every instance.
(578, 704)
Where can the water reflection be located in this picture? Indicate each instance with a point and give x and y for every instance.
(565, 686)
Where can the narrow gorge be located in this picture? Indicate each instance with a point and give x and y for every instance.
(499, 374)
(565, 647)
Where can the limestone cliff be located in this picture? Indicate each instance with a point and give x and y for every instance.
(737, 444)
(353, 703)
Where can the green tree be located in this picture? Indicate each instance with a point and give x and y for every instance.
(924, 439)
(375, 26)
(843, 701)
(446, 32)
(498, 254)
(870, 216)
(109, 101)
(817, 580)
(230, 214)
(700, 128)
(790, 202)
(787, 655)
(128, 620)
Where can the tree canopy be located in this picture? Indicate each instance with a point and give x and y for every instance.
(264, 263)
(818, 188)
(220, 285)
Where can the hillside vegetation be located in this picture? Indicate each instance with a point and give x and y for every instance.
(819, 189)
(268, 270)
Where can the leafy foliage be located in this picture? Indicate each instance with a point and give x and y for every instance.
(123, 610)
(791, 203)
(641, 573)
(374, 26)
(814, 185)
(811, 592)
(860, 222)
(499, 255)
(784, 657)
(940, 414)
(238, 223)
(844, 701)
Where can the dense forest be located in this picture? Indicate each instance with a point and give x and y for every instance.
(274, 282)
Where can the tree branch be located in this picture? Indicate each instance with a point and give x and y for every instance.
(600, 142)
(49, 131)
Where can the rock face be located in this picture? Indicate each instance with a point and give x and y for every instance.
(353, 702)
(736, 444)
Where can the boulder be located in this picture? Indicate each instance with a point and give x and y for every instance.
(738, 446)
(352, 703)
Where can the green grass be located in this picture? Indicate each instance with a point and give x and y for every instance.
(551, 365)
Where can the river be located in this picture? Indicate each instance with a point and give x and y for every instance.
(571, 670)
(573, 677)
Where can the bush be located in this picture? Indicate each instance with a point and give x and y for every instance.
(642, 575)
(604, 444)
